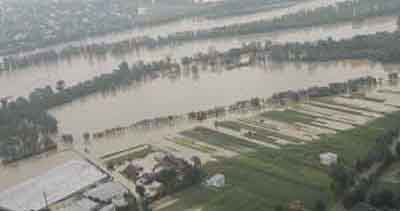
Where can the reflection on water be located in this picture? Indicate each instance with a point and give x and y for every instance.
(21, 82)
(163, 97)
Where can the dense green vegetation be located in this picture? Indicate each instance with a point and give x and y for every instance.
(265, 179)
(24, 128)
(258, 181)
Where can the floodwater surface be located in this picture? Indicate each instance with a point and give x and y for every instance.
(22, 82)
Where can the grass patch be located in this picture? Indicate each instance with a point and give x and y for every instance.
(258, 181)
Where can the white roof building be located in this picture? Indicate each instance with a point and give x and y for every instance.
(328, 158)
(217, 181)
(58, 184)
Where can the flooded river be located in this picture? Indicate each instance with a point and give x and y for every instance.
(166, 96)
(186, 93)
(22, 82)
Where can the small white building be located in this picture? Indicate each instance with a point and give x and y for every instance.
(142, 10)
(328, 158)
(217, 181)
(245, 59)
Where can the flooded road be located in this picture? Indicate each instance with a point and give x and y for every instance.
(22, 82)
(162, 97)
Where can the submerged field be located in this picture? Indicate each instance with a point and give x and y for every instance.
(260, 178)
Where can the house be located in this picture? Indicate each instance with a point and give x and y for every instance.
(296, 206)
(217, 181)
(245, 59)
(132, 172)
(392, 76)
(328, 158)
(67, 138)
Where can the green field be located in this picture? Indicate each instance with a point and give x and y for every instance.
(288, 116)
(264, 178)
(257, 181)
(219, 139)
(262, 130)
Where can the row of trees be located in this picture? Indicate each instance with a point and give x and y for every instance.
(384, 47)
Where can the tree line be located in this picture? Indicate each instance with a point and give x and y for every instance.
(345, 11)
(383, 47)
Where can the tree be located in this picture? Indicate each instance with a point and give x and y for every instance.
(382, 199)
(140, 190)
(196, 162)
(320, 206)
(398, 149)
(169, 178)
(124, 66)
(60, 85)
(86, 136)
(279, 208)
(398, 23)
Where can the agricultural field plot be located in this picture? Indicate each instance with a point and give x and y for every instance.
(283, 128)
(289, 116)
(391, 98)
(219, 139)
(357, 111)
(277, 177)
(265, 176)
(324, 122)
(365, 104)
(258, 132)
(335, 114)
(185, 147)
(317, 123)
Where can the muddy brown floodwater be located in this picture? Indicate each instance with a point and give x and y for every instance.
(165, 96)
(22, 82)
